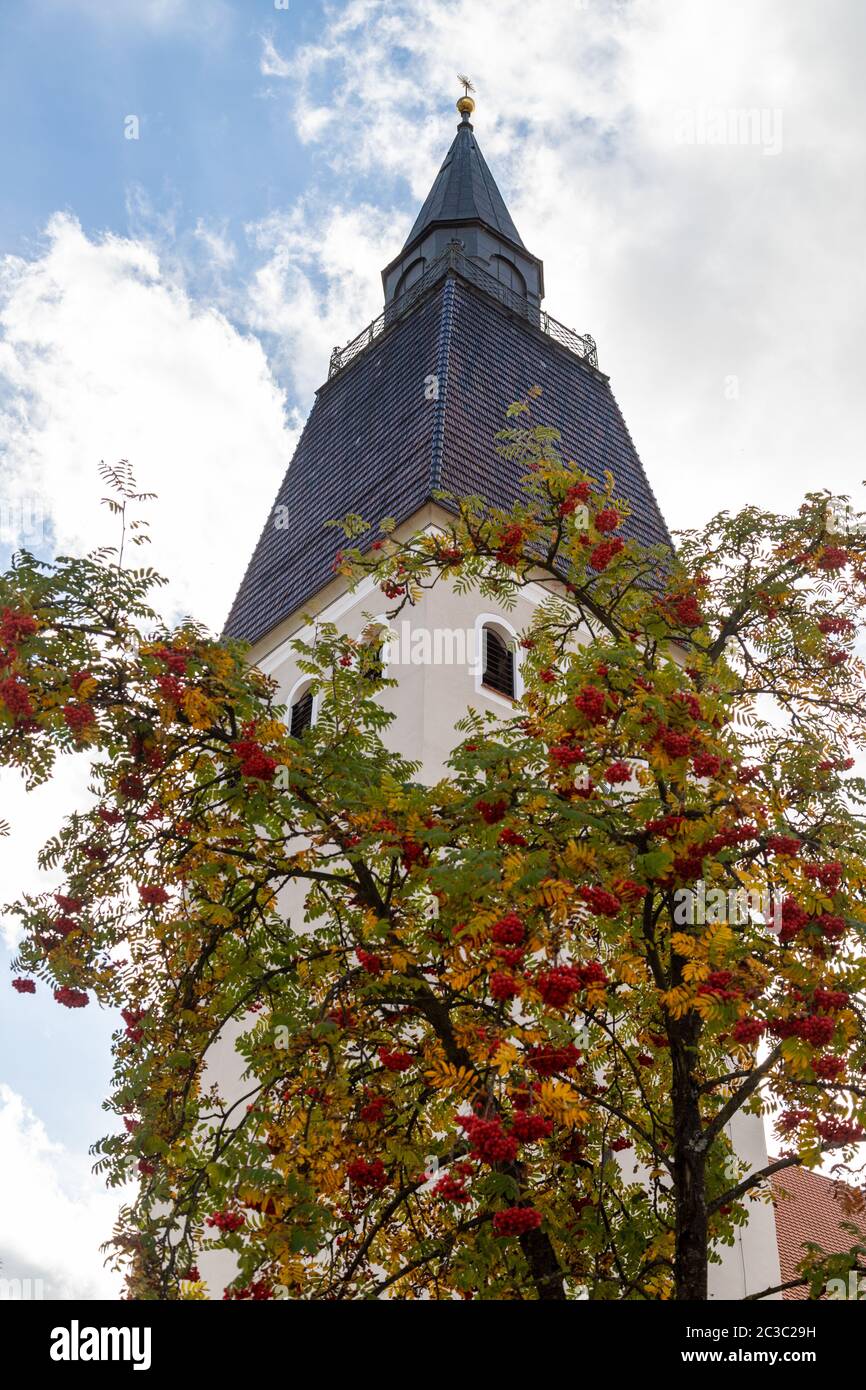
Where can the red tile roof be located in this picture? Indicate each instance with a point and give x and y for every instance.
(808, 1208)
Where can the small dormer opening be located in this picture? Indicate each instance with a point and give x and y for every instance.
(507, 274)
(302, 713)
(498, 664)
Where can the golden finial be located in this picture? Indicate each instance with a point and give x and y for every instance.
(465, 105)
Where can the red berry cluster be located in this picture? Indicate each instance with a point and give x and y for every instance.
(557, 986)
(566, 754)
(152, 894)
(367, 1174)
(608, 519)
(783, 844)
(706, 765)
(132, 787)
(675, 744)
(24, 986)
(828, 875)
(602, 902)
(487, 1139)
(132, 1018)
(578, 492)
(604, 552)
(546, 1060)
(832, 926)
(832, 557)
(718, 984)
(686, 609)
(16, 697)
(14, 629)
(828, 1068)
(227, 1221)
(369, 962)
(528, 1126)
(78, 717)
(175, 658)
(491, 812)
(592, 703)
(509, 930)
(689, 702)
(789, 1120)
(170, 688)
(511, 837)
(628, 891)
(836, 625)
(726, 839)
(831, 1000)
(257, 1291)
(510, 544)
(373, 1109)
(503, 986)
(71, 998)
(451, 1187)
(813, 1028)
(255, 762)
(668, 827)
(618, 772)
(835, 1131)
(395, 1061)
(794, 919)
(516, 1221)
(342, 1015)
(748, 1030)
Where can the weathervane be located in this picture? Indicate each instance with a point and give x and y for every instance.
(465, 105)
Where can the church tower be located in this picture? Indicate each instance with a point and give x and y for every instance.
(412, 404)
(410, 407)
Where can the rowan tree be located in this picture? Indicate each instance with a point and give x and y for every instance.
(493, 1058)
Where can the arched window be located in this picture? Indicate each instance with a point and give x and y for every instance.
(302, 712)
(498, 668)
(506, 273)
(410, 276)
(375, 653)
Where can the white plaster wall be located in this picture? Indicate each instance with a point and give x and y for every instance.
(752, 1263)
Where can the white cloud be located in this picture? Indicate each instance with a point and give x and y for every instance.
(54, 1214)
(34, 816)
(271, 64)
(724, 285)
(104, 358)
(319, 283)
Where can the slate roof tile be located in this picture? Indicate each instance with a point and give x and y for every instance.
(375, 444)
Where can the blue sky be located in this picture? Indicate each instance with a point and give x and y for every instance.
(212, 143)
(174, 299)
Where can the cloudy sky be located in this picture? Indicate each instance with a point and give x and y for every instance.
(196, 199)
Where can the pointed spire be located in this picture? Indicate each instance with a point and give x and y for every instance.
(464, 190)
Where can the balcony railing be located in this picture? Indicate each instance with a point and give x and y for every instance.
(581, 344)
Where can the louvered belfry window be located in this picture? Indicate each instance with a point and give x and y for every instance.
(498, 664)
(302, 714)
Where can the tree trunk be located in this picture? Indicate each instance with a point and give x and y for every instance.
(543, 1264)
(690, 1258)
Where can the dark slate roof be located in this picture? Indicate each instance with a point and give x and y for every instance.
(464, 191)
(374, 444)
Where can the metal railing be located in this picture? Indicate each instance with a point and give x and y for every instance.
(581, 344)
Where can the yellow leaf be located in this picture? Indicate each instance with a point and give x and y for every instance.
(443, 1076)
(682, 944)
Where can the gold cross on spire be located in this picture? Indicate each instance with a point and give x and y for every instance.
(465, 105)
